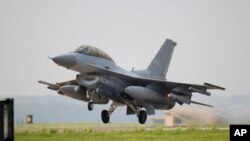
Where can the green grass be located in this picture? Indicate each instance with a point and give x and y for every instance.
(74, 133)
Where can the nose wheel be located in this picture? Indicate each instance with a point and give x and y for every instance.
(90, 95)
(90, 106)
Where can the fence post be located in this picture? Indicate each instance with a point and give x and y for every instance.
(7, 119)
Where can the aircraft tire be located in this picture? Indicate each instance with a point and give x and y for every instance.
(90, 106)
(105, 116)
(142, 117)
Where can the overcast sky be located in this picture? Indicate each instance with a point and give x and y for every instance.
(212, 36)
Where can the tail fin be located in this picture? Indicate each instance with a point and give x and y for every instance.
(159, 65)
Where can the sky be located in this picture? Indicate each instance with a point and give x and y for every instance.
(212, 39)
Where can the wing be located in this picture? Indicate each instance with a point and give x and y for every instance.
(136, 79)
(181, 92)
(57, 86)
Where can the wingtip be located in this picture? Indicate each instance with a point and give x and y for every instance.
(211, 86)
(203, 104)
(45, 83)
(50, 58)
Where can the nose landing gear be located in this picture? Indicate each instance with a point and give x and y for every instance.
(90, 96)
(90, 106)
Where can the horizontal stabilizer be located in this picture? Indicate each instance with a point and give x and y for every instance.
(194, 102)
(211, 86)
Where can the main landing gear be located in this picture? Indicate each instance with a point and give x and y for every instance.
(105, 116)
(106, 113)
(141, 114)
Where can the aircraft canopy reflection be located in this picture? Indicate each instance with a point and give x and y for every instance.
(93, 51)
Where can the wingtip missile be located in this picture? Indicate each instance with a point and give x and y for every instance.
(198, 103)
(45, 83)
(211, 86)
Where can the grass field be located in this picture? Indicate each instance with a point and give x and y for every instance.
(73, 132)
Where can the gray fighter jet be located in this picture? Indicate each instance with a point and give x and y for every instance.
(100, 79)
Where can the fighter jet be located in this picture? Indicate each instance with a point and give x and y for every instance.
(100, 80)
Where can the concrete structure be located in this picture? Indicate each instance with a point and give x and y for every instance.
(185, 116)
(29, 119)
(171, 120)
(168, 120)
(7, 120)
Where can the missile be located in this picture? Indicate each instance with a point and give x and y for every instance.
(200, 91)
(74, 92)
(186, 100)
(181, 90)
(79, 93)
(180, 98)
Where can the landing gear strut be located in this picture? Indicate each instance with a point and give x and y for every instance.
(90, 96)
(90, 106)
(106, 113)
(141, 114)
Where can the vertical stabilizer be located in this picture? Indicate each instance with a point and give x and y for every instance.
(159, 65)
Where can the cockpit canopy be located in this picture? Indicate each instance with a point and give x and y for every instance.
(93, 51)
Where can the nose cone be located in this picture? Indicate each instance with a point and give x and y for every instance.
(65, 60)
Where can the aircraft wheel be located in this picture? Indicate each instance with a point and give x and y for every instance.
(90, 106)
(105, 116)
(142, 117)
